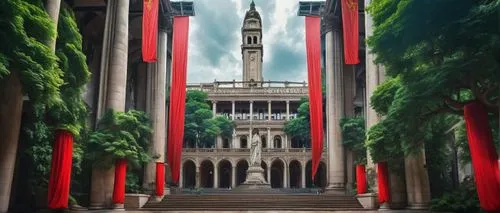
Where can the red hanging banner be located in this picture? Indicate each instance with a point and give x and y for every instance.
(60, 170)
(120, 178)
(149, 30)
(361, 179)
(160, 178)
(313, 49)
(351, 31)
(383, 182)
(484, 156)
(177, 95)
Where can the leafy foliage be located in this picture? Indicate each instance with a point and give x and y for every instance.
(120, 135)
(201, 127)
(462, 200)
(353, 136)
(300, 128)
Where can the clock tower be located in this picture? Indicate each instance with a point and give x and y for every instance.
(251, 48)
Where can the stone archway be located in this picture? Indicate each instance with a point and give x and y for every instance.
(295, 174)
(277, 142)
(277, 170)
(207, 174)
(189, 174)
(243, 141)
(320, 179)
(241, 171)
(225, 174)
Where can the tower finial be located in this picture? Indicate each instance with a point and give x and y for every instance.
(252, 5)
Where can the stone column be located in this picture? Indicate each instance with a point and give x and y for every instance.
(269, 110)
(417, 182)
(216, 178)
(269, 141)
(251, 112)
(233, 110)
(181, 178)
(156, 107)
(214, 108)
(303, 177)
(285, 175)
(233, 177)
(397, 190)
(198, 177)
(287, 110)
(112, 88)
(269, 174)
(334, 103)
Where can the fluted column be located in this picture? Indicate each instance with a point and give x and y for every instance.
(156, 107)
(112, 88)
(233, 110)
(287, 110)
(251, 111)
(334, 103)
(233, 177)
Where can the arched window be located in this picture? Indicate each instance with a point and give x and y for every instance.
(255, 40)
(225, 143)
(249, 40)
(277, 141)
(243, 142)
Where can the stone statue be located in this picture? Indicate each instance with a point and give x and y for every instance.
(255, 149)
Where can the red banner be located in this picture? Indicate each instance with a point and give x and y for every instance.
(484, 156)
(383, 182)
(313, 48)
(160, 178)
(60, 170)
(361, 179)
(177, 95)
(351, 31)
(120, 178)
(149, 30)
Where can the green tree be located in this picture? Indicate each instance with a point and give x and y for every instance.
(299, 128)
(200, 126)
(353, 137)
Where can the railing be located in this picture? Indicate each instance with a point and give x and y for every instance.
(264, 150)
(269, 87)
(236, 84)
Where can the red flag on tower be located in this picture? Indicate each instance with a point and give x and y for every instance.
(149, 30)
(351, 31)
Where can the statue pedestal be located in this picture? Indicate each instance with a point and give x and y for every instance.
(255, 179)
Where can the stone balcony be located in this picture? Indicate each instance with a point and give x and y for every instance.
(243, 152)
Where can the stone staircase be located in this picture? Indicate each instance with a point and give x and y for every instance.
(255, 202)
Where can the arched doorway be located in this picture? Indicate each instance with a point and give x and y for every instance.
(264, 166)
(243, 142)
(295, 174)
(277, 141)
(277, 170)
(189, 174)
(264, 141)
(206, 174)
(225, 170)
(320, 178)
(241, 171)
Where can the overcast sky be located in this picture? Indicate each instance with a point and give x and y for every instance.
(215, 39)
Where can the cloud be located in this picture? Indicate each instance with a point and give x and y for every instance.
(215, 38)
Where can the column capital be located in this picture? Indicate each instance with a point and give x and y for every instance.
(331, 22)
(250, 101)
(287, 101)
(214, 102)
(269, 101)
(268, 128)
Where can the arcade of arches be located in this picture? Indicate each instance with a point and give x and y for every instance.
(227, 174)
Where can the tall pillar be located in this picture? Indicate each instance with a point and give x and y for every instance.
(233, 177)
(334, 103)
(303, 173)
(269, 110)
(216, 178)
(156, 107)
(214, 108)
(251, 111)
(287, 110)
(198, 177)
(112, 88)
(269, 173)
(269, 140)
(233, 110)
(285, 176)
(417, 182)
(181, 178)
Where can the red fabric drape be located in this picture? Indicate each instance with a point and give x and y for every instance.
(484, 156)
(313, 48)
(160, 178)
(351, 31)
(177, 95)
(120, 177)
(361, 179)
(60, 170)
(149, 30)
(383, 182)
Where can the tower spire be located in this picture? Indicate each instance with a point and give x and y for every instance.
(252, 5)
